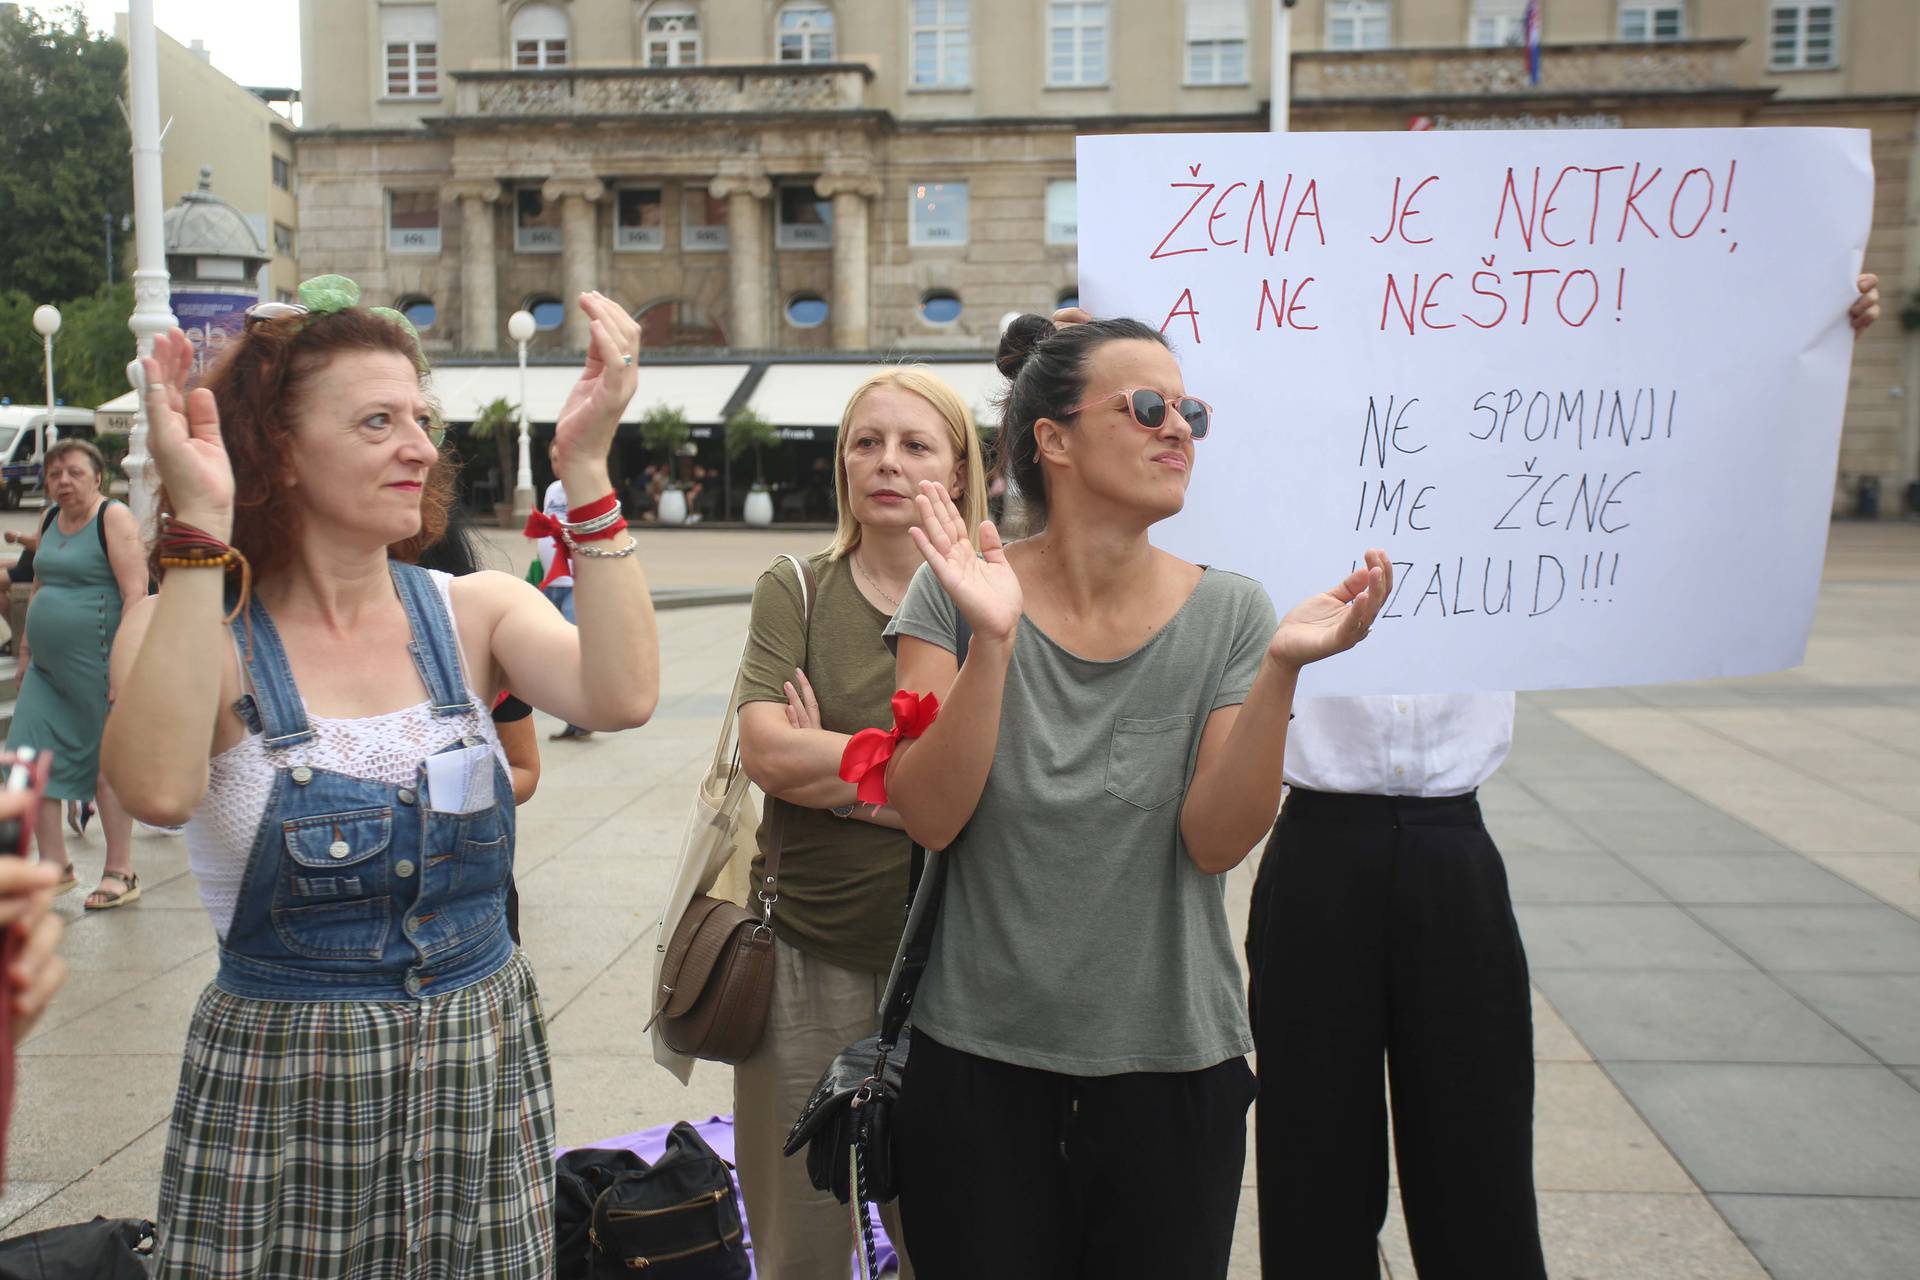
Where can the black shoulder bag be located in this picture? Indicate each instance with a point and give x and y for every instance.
(847, 1125)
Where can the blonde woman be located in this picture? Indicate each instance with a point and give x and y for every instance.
(842, 876)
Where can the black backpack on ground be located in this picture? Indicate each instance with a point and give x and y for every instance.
(677, 1218)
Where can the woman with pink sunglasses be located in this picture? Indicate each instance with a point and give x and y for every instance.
(1107, 749)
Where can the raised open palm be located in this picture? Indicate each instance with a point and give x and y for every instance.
(591, 415)
(1334, 621)
(983, 586)
(183, 435)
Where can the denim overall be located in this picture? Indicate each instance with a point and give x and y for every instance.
(354, 889)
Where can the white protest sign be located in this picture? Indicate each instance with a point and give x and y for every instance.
(1586, 388)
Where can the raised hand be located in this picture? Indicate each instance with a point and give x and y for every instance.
(1334, 621)
(183, 435)
(1866, 308)
(982, 586)
(583, 435)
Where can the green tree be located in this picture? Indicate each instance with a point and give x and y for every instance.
(748, 430)
(90, 353)
(665, 428)
(499, 422)
(63, 153)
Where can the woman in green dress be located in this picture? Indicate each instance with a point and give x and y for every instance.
(89, 565)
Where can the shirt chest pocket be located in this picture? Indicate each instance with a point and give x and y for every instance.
(1147, 761)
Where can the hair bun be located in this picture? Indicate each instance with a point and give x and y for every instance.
(1018, 341)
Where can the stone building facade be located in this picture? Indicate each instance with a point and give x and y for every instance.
(798, 178)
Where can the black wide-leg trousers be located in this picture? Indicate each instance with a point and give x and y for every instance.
(1382, 934)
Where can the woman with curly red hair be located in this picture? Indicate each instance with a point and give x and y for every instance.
(366, 1090)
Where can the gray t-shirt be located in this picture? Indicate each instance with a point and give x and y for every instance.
(1076, 935)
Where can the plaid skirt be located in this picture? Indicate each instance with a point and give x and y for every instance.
(363, 1140)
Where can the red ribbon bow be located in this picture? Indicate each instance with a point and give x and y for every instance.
(542, 525)
(864, 763)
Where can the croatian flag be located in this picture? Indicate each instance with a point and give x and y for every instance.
(1532, 23)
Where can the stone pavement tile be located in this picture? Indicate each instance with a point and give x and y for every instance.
(1586, 699)
(1880, 1010)
(1828, 1237)
(1643, 730)
(1786, 1130)
(1910, 1074)
(1619, 937)
(1739, 795)
(1503, 794)
(1640, 1236)
(1776, 733)
(1586, 1137)
(1244, 1264)
(1577, 877)
(76, 1112)
(1694, 1017)
(1573, 765)
(20, 1198)
(1742, 878)
(179, 892)
(576, 936)
(1847, 827)
(141, 1158)
(91, 1196)
(1553, 1039)
(133, 939)
(84, 992)
(1900, 796)
(601, 1096)
(150, 1018)
(565, 880)
(561, 984)
(1590, 795)
(540, 836)
(1890, 877)
(1538, 833)
(1868, 762)
(1889, 726)
(1632, 831)
(1869, 939)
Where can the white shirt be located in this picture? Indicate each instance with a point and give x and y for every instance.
(555, 505)
(1399, 744)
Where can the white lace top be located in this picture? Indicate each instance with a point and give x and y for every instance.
(385, 748)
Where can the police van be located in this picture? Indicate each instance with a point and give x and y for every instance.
(20, 431)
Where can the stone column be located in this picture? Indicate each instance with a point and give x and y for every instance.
(746, 191)
(479, 302)
(850, 189)
(580, 251)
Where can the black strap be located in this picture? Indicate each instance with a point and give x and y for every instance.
(926, 884)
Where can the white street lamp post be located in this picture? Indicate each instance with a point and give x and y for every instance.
(152, 305)
(46, 323)
(520, 327)
(1281, 73)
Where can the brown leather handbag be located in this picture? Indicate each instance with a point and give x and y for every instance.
(716, 980)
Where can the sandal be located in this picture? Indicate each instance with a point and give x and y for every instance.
(101, 900)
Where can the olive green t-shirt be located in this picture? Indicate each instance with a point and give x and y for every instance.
(843, 882)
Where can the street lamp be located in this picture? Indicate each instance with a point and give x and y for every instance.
(520, 327)
(46, 323)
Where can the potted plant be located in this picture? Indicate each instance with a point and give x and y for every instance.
(747, 430)
(500, 423)
(665, 428)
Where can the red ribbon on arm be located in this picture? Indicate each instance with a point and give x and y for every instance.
(864, 762)
(542, 525)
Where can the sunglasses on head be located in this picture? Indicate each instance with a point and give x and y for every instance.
(1148, 408)
(264, 311)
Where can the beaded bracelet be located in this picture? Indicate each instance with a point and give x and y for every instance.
(595, 553)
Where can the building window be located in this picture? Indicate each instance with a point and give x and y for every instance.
(940, 44)
(1216, 41)
(937, 213)
(548, 312)
(283, 173)
(1496, 24)
(640, 219)
(941, 306)
(703, 220)
(806, 33)
(413, 221)
(1076, 42)
(420, 312)
(1358, 24)
(806, 311)
(1068, 298)
(411, 35)
(539, 37)
(673, 36)
(283, 295)
(1653, 22)
(806, 221)
(1063, 211)
(283, 239)
(536, 222)
(1802, 37)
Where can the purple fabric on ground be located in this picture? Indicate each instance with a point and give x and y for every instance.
(651, 1144)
